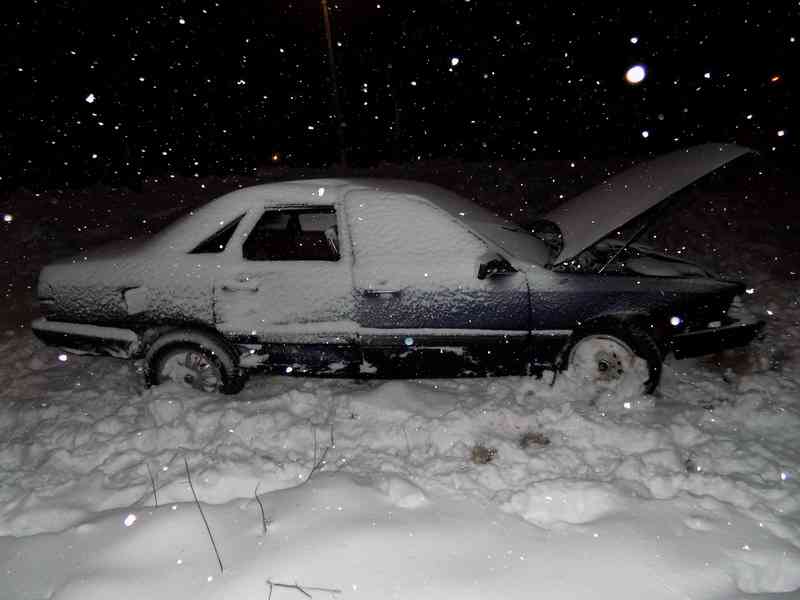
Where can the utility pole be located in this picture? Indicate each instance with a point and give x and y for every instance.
(336, 104)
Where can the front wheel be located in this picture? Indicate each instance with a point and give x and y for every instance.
(608, 355)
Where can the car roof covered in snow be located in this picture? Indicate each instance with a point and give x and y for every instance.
(500, 233)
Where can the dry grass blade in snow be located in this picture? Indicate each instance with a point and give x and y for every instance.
(265, 522)
(202, 514)
(299, 588)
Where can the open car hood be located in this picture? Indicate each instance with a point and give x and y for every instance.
(589, 217)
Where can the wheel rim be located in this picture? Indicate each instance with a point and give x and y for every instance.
(602, 359)
(190, 368)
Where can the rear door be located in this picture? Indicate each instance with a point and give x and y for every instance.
(418, 302)
(287, 287)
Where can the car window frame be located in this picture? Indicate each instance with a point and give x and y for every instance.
(230, 223)
(334, 208)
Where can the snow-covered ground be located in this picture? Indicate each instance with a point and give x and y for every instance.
(470, 488)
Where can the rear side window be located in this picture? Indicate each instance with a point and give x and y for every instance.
(294, 234)
(218, 241)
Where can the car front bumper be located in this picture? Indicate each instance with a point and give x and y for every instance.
(88, 339)
(716, 339)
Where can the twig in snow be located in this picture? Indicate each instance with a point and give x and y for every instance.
(202, 514)
(318, 464)
(265, 522)
(153, 483)
(299, 588)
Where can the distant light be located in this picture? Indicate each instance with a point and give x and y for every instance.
(8, 218)
(749, 117)
(62, 357)
(635, 74)
(707, 75)
(775, 78)
(770, 313)
(645, 134)
(750, 291)
(275, 157)
(130, 520)
(414, 84)
(90, 98)
(289, 369)
(781, 133)
(454, 61)
(311, 128)
(675, 321)
(181, 20)
(634, 40)
(409, 341)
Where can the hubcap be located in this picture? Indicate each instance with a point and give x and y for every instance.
(192, 369)
(602, 359)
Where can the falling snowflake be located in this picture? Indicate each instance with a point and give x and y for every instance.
(90, 98)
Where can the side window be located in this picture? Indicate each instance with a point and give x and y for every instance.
(217, 242)
(294, 234)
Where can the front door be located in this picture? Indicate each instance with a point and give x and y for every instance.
(420, 307)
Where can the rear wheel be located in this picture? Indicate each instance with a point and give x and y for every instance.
(195, 360)
(607, 355)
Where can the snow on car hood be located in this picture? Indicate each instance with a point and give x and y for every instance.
(596, 213)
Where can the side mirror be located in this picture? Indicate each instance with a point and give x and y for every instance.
(493, 265)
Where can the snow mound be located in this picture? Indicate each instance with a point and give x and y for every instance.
(565, 501)
(402, 492)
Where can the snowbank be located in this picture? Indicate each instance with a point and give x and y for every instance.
(695, 495)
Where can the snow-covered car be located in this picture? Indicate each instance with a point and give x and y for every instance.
(398, 278)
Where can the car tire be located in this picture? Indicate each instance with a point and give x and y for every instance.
(614, 343)
(197, 359)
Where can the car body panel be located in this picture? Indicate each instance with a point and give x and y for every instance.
(93, 288)
(598, 212)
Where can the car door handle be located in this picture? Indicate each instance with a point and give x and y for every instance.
(381, 293)
(240, 286)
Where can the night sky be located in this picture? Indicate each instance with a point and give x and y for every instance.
(107, 91)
